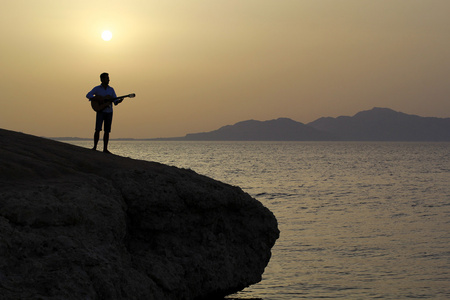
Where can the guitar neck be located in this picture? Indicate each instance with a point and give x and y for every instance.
(98, 103)
(121, 97)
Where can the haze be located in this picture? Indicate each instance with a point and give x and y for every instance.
(199, 65)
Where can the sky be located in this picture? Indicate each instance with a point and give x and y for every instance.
(198, 65)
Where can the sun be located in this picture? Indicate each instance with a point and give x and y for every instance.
(106, 35)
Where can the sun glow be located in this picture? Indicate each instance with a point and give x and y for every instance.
(106, 35)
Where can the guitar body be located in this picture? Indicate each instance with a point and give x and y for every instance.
(99, 103)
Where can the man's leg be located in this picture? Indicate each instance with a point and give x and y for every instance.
(98, 128)
(105, 142)
(96, 138)
(108, 121)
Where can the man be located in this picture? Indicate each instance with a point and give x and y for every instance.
(103, 91)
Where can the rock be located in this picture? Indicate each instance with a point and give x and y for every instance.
(81, 224)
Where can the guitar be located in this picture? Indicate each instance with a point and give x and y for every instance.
(99, 103)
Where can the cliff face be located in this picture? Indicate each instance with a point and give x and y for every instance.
(80, 224)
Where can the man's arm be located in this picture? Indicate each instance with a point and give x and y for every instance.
(91, 94)
(115, 96)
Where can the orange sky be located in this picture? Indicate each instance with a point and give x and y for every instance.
(199, 65)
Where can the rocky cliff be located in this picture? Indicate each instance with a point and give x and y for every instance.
(81, 224)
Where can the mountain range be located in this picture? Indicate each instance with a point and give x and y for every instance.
(377, 124)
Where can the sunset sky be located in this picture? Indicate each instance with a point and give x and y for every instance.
(198, 65)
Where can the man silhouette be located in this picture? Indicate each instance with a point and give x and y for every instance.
(103, 92)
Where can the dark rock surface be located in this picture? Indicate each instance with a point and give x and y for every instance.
(81, 224)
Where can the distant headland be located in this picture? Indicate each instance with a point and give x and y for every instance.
(377, 124)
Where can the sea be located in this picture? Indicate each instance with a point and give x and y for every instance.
(358, 220)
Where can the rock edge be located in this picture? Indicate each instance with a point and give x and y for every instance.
(80, 224)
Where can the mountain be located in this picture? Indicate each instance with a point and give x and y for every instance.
(384, 124)
(377, 124)
(282, 129)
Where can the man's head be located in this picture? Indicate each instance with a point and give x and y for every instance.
(104, 78)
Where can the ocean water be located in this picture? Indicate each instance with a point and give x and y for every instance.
(358, 220)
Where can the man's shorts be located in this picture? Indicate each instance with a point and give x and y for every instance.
(103, 117)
